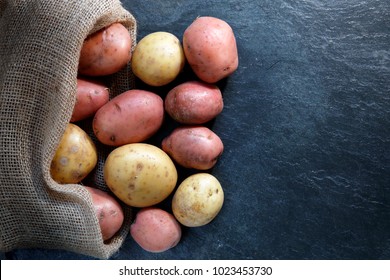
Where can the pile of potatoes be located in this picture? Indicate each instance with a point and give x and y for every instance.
(137, 173)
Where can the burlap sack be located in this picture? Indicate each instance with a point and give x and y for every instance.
(40, 42)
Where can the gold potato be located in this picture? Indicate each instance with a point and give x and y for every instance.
(158, 58)
(140, 174)
(197, 200)
(75, 157)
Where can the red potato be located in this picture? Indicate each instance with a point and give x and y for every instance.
(210, 48)
(130, 117)
(155, 230)
(109, 212)
(90, 96)
(194, 102)
(195, 147)
(106, 51)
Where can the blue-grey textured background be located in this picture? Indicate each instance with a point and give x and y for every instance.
(306, 128)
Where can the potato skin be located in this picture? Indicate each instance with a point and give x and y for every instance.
(130, 117)
(90, 96)
(109, 212)
(106, 51)
(210, 48)
(158, 58)
(155, 230)
(75, 157)
(194, 102)
(140, 174)
(198, 200)
(195, 147)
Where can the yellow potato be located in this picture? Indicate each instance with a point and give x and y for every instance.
(75, 156)
(158, 58)
(140, 174)
(197, 200)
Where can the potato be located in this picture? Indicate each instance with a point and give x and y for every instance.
(155, 230)
(194, 102)
(90, 96)
(75, 156)
(140, 174)
(197, 200)
(195, 147)
(108, 210)
(130, 117)
(158, 58)
(106, 51)
(210, 48)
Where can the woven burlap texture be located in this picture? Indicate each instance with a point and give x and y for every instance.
(40, 43)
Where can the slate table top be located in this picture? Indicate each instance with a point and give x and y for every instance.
(306, 129)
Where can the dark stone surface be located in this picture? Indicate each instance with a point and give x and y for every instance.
(306, 128)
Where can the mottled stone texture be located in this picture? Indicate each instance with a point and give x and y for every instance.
(306, 128)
